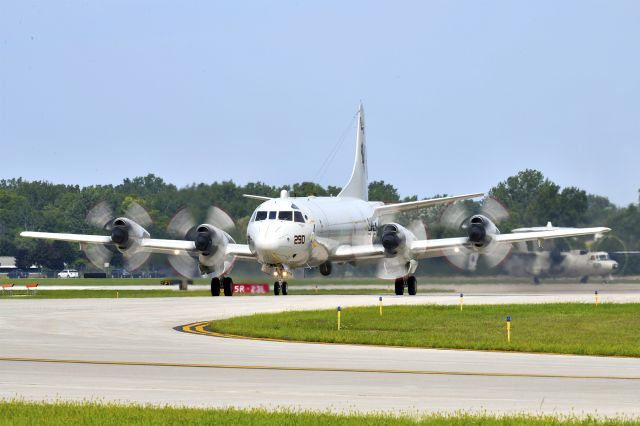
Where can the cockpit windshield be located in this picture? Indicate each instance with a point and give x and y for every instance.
(285, 215)
(603, 256)
(288, 215)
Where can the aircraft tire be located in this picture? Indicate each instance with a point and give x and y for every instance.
(399, 286)
(412, 285)
(584, 279)
(325, 268)
(276, 288)
(215, 286)
(227, 285)
(285, 288)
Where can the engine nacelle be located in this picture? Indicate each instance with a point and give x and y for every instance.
(481, 231)
(395, 239)
(125, 234)
(211, 243)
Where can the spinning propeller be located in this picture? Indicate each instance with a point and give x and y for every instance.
(458, 216)
(101, 216)
(206, 238)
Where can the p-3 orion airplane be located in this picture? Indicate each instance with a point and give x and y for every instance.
(286, 233)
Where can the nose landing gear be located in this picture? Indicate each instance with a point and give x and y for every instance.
(280, 285)
(410, 282)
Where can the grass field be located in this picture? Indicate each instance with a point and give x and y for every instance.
(66, 413)
(611, 329)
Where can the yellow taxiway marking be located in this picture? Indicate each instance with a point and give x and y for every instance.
(200, 328)
(313, 369)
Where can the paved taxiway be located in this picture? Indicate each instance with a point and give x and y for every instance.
(127, 350)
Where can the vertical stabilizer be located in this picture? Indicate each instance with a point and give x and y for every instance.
(358, 185)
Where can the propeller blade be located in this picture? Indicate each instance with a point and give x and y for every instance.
(455, 215)
(220, 219)
(100, 215)
(496, 254)
(616, 246)
(494, 210)
(418, 229)
(391, 268)
(463, 259)
(133, 261)
(181, 223)
(185, 265)
(138, 214)
(97, 254)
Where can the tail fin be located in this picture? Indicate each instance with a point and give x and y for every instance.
(358, 185)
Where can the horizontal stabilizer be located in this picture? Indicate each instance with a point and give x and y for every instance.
(421, 204)
(257, 197)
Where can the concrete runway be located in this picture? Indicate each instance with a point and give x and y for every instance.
(126, 350)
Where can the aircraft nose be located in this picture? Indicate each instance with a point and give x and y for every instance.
(263, 243)
(614, 265)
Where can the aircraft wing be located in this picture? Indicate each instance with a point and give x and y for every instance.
(438, 247)
(152, 245)
(546, 235)
(388, 209)
(78, 238)
(444, 246)
(346, 253)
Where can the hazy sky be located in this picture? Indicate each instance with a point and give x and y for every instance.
(458, 95)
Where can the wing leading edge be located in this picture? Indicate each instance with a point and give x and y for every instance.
(152, 245)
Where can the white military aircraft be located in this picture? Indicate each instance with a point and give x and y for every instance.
(286, 233)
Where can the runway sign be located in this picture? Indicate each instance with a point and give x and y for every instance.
(251, 288)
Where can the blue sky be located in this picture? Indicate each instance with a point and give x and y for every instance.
(458, 95)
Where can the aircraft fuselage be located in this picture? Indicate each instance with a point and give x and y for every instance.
(285, 231)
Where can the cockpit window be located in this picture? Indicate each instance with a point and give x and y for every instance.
(272, 215)
(603, 257)
(297, 216)
(261, 215)
(285, 215)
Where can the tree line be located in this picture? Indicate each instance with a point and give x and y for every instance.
(530, 198)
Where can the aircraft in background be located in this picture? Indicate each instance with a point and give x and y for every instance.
(286, 233)
(557, 264)
(554, 263)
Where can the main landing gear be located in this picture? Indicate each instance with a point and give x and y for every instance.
(409, 282)
(225, 284)
(279, 286)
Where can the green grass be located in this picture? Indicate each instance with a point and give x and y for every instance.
(611, 329)
(91, 413)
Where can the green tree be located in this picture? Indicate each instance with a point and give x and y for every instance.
(381, 191)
